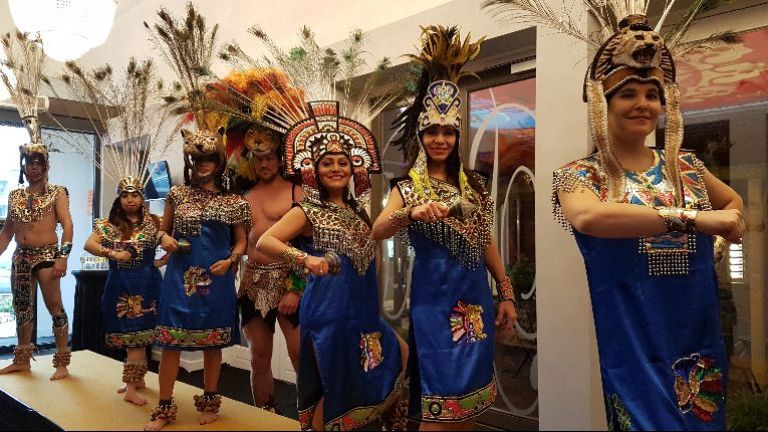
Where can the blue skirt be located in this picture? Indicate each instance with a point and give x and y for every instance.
(348, 354)
(198, 310)
(662, 357)
(451, 336)
(129, 304)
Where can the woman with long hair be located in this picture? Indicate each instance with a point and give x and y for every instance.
(129, 303)
(350, 361)
(449, 218)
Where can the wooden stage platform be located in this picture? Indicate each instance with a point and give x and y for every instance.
(87, 400)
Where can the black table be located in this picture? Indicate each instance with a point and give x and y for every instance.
(87, 332)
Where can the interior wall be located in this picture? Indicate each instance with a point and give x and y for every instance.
(570, 392)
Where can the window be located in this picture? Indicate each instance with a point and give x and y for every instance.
(724, 95)
(502, 126)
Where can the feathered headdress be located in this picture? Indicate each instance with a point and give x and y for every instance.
(187, 45)
(245, 98)
(322, 123)
(628, 48)
(437, 102)
(127, 113)
(24, 62)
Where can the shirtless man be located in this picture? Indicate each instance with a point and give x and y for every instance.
(33, 214)
(266, 293)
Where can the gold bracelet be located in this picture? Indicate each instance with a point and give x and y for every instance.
(294, 258)
(678, 219)
(400, 218)
(506, 292)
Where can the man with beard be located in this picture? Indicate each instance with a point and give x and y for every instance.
(33, 213)
(268, 292)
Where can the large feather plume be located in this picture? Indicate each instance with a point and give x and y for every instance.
(608, 13)
(188, 47)
(22, 75)
(321, 74)
(252, 95)
(248, 97)
(125, 110)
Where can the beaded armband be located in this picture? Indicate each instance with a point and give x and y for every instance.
(678, 219)
(235, 257)
(400, 218)
(65, 249)
(505, 290)
(294, 258)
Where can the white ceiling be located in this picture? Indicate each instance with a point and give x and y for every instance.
(331, 20)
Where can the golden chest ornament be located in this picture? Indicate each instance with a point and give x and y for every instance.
(343, 231)
(193, 205)
(466, 239)
(27, 207)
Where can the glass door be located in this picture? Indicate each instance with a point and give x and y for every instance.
(502, 126)
(724, 99)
